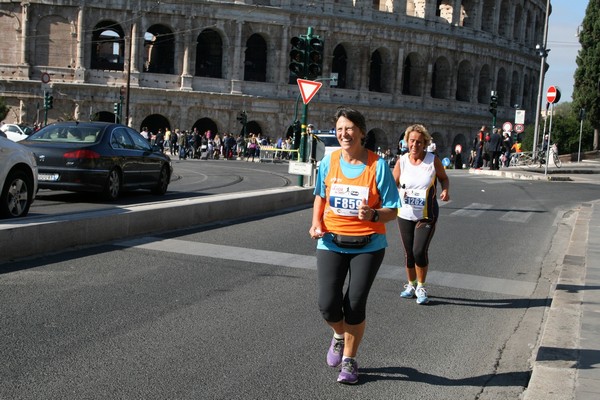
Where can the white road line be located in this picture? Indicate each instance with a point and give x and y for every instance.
(387, 271)
(517, 216)
(473, 210)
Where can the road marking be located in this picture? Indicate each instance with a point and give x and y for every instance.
(517, 216)
(473, 210)
(387, 271)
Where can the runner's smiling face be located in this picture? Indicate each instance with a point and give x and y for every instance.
(348, 135)
(416, 144)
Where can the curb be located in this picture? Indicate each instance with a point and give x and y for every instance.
(554, 369)
(54, 233)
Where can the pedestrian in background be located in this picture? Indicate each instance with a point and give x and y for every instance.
(495, 148)
(355, 196)
(417, 174)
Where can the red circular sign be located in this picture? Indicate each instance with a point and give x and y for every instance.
(45, 77)
(553, 94)
(519, 128)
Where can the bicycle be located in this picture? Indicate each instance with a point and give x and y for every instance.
(553, 154)
(524, 158)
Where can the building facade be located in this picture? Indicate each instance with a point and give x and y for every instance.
(200, 63)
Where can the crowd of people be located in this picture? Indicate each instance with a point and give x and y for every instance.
(493, 150)
(209, 145)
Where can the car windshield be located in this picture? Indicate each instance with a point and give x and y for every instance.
(67, 134)
(329, 141)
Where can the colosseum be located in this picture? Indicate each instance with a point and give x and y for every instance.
(185, 64)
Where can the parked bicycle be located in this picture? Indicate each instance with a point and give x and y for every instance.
(553, 156)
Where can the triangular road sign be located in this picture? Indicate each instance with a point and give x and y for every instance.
(308, 89)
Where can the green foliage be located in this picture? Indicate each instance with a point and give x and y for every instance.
(3, 109)
(566, 130)
(586, 93)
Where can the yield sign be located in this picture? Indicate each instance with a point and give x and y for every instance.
(308, 89)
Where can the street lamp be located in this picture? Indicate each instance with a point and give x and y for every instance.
(542, 51)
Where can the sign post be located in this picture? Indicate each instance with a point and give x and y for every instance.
(553, 96)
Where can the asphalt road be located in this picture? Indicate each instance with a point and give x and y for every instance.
(229, 311)
(191, 178)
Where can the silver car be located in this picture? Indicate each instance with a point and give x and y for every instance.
(18, 179)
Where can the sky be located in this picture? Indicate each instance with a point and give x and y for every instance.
(566, 17)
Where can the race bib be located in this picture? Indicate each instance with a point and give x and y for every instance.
(414, 198)
(345, 199)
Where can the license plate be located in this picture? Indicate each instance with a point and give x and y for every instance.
(48, 177)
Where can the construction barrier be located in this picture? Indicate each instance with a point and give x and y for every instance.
(273, 154)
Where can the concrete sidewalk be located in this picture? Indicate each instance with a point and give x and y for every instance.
(566, 362)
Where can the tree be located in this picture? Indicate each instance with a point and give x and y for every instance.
(586, 93)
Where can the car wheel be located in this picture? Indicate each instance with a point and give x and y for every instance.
(112, 189)
(163, 182)
(16, 196)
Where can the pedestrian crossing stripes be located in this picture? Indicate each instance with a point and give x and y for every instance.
(475, 210)
(289, 260)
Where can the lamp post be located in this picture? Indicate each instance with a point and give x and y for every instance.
(542, 51)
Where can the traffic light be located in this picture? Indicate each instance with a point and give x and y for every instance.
(297, 130)
(116, 108)
(494, 104)
(48, 101)
(298, 57)
(243, 118)
(315, 57)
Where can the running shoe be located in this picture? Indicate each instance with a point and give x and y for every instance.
(335, 353)
(422, 296)
(349, 372)
(408, 292)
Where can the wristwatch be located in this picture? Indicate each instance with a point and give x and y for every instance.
(375, 217)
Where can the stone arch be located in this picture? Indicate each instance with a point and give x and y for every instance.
(103, 116)
(518, 24)
(380, 139)
(483, 87)
(255, 59)
(487, 18)
(9, 48)
(339, 64)
(154, 122)
(159, 50)
(529, 27)
(515, 89)
(464, 81)
(209, 54)
(413, 75)
(380, 76)
(503, 27)
(445, 10)
(440, 78)
(468, 14)
(440, 144)
(53, 44)
(108, 47)
(206, 124)
(527, 90)
(501, 87)
(253, 127)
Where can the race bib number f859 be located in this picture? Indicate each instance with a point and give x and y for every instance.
(345, 199)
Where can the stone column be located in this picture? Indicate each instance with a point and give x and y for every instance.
(24, 36)
(399, 7)
(238, 56)
(186, 77)
(79, 59)
(456, 8)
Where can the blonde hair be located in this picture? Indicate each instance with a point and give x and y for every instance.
(420, 129)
